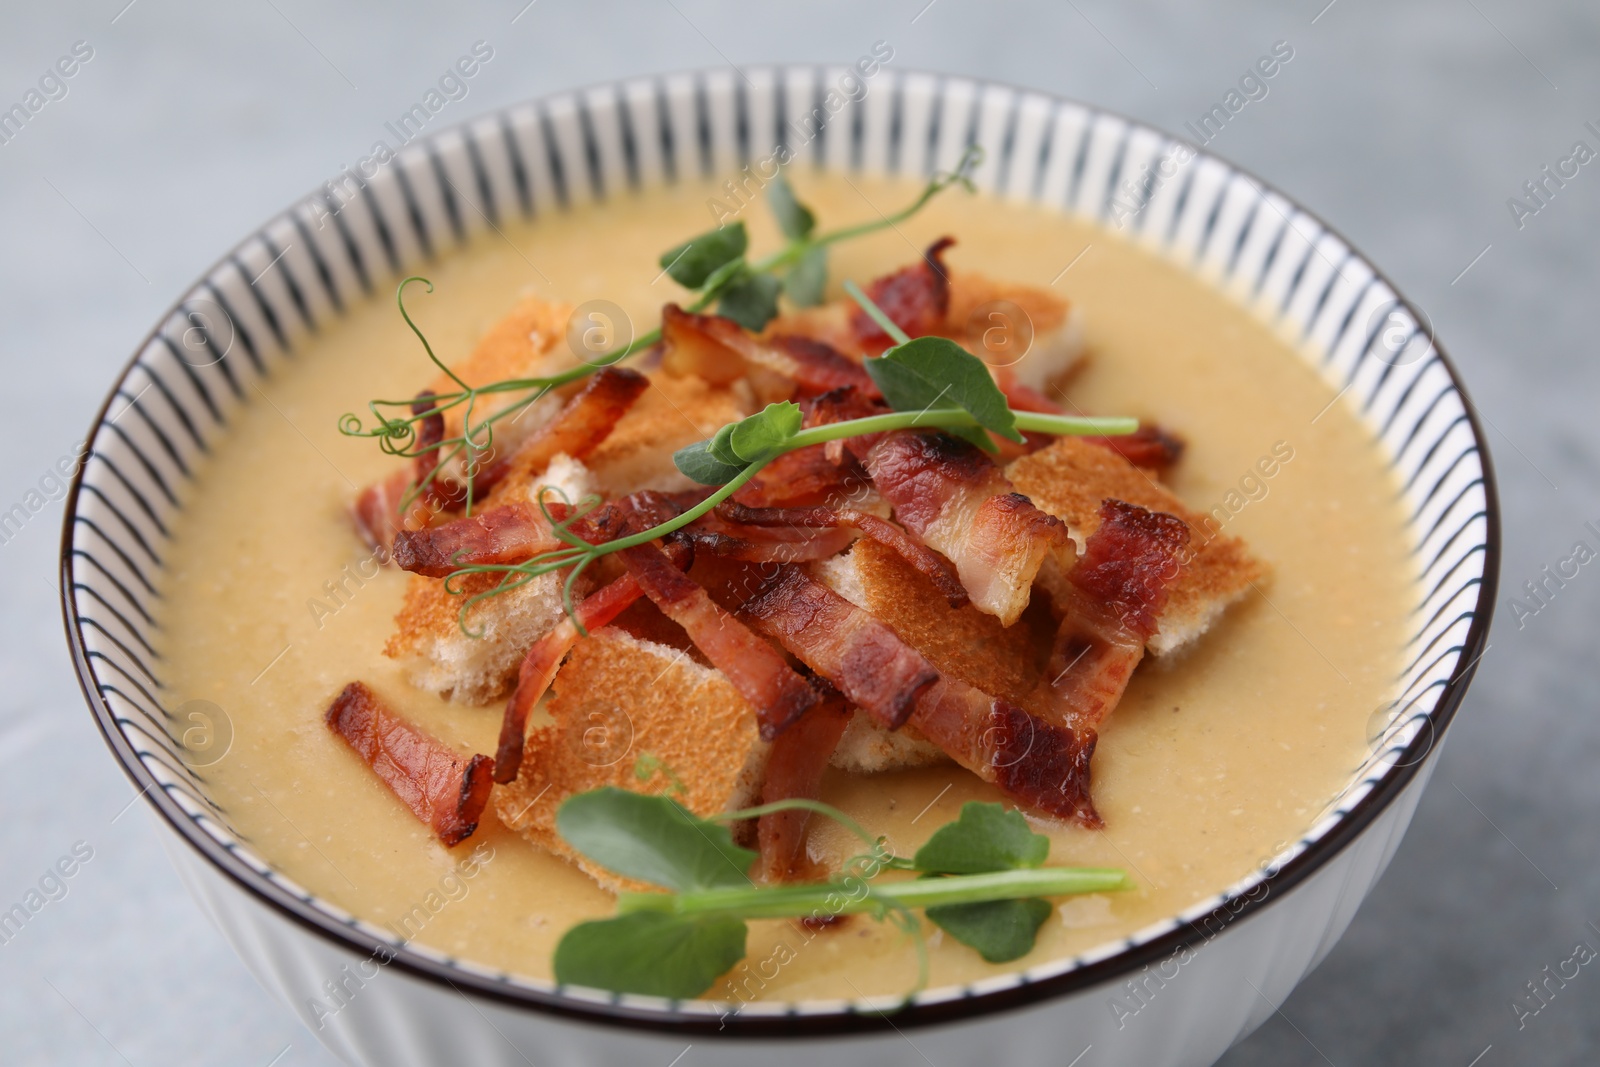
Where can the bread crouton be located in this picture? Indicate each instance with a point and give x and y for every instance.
(617, 699)
(428, 639)
(1070, 478)
(672, 413)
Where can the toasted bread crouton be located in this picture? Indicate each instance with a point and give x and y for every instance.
(428, 639)
(1070, 478)
(672, 413)
(981, 320)
(617, 699)
(526, 342)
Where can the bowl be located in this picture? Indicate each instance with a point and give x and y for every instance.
(1177, 993)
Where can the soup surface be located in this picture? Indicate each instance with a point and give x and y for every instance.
(1211, 763)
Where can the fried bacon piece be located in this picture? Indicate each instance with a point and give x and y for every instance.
(377, 512)
(1109, 607)
(805, 476)
(1040, 764)
(757, 671)
(934, 566)
(544, 658)
(510, 533)
(916, 299)
(764, 549)
(947, 492)
(1150, 447)
(795, 765)
(721, 351)
(580, 428)
(440, 491)
(861, 656)
(1043, 765)
(443, 789)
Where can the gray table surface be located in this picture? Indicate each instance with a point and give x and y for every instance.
(1407, 125)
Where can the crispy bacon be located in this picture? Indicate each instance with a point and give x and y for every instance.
(1150, 447)
(816, 365)
(937, 569)
(377, 512)
(439, 490)
(443, 789)
(768, 549)
(779, 695)
(539, 667)
(916, 299)
(861, 656)
(795, 767)
(1113, 602)
(1042, 765)
(510, 533)
(804, 476)
(721, 351)
(947, 492)
(580, 428)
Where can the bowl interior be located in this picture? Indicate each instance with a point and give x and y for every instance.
(352, 237)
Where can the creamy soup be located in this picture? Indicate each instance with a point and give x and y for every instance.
(1210, 764)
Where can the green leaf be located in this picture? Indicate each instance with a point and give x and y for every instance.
(652, 839)
(751, 300)
(692, 262)
(1001, 930)
(651, 953)
(794, 218)
(985, 838)
(935, 372)
(698, 463)
(808, 278)
(757, 436)
(721, 446)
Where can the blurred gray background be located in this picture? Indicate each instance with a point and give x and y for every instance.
(1408, 126)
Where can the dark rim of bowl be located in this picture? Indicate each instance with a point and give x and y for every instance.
(856, 1018)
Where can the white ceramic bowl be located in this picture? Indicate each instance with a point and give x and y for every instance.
(1179, 992)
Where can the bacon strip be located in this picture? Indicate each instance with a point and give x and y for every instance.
(721, 351)
(861, 656)
(1042, 765)
(937, 569)
(804, 476)
(1113, 603)
(1150, 447)
(580, 428)
(916, 299)
(795, 766)
(510, 533)
(947, 492)
(768, 549)
(440, 491)
(779, 695)
(542, 661)
(442, 788)
(377, 511)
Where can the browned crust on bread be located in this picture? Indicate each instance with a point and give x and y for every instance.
(672, 413)
(614, 700)
(965, 643)
(513, 346)
(1070, 479)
